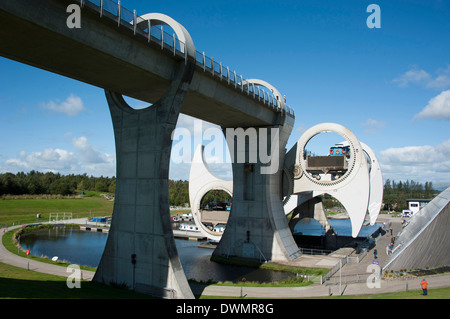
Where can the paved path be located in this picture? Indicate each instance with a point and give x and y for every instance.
(351, 269)
(9, 258)
(316, 290)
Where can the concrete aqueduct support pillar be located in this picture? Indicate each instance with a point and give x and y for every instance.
(257, 227)
(140, 252)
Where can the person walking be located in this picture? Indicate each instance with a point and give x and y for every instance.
(424, 285)
(375, 253)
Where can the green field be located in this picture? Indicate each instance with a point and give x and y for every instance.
(23, 211)
(21, 283)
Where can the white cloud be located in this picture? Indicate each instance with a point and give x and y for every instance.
(438, 107)
(72, 106)
(93, 160)
(373, 126)
(420, 163)
(414, 75)
(85, 159)
(48, 160)
(421, 77)
(87, 153)
(442, 80)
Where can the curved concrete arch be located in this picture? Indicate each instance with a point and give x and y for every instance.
(351, 189)
(180, 31)
(201, 181)
(270, 87)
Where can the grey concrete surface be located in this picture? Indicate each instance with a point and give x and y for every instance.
(257, 226)
(425, 240)
(140, 251)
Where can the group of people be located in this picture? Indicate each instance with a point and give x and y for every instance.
(423, 283)
(390, 246)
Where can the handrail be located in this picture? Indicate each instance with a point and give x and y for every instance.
(125, 17)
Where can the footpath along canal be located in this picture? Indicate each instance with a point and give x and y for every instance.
(315, 290)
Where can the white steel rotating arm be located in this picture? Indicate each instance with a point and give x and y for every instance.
(375, 183)
(201, 181)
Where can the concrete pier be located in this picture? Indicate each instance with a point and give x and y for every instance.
(140, 251)
(257, 226)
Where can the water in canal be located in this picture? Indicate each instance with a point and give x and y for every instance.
(343, 227)
(86, 248)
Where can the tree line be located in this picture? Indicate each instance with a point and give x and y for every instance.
(396, 193)
(37, 183)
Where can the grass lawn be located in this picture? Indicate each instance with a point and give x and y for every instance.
(438, 293)
(23, 211)
(21, 283)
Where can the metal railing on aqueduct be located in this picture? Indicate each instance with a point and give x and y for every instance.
(169, 42)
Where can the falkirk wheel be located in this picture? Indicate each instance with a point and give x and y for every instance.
(354, 178)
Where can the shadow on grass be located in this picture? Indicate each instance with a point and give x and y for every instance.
(57, 289)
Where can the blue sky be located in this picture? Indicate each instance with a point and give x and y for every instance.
(390, 86)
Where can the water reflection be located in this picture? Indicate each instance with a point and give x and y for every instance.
(86, 248)
(343, 227)
(72, 245)
(197, 265)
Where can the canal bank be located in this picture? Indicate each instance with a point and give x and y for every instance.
(9, 258)
(316, 290)
(64, 242)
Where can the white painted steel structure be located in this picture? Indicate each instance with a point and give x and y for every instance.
(353, 189)
(360, 189)
(201, 181)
